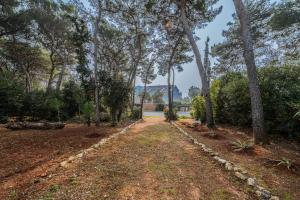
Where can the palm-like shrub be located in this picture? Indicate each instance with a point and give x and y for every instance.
(241, 146)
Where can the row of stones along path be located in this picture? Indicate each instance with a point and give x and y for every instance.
(151, 161)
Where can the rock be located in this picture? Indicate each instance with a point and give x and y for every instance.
(80, 155)
(240, 176)
(228, 166)
(251, 182)
(64, 164)
(274, 198)
(263, 194)
(71, 158)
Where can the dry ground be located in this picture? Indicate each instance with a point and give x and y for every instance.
(30, 155)
(152, 161)
(278, 179)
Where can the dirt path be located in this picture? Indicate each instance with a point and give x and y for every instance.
(152, 161)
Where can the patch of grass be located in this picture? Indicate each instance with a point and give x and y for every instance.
(242, 146)
(160, 168)
(13, 195)
(54, 188)
(287, 196)
(168, 190)
(72, 180)
(220, 194)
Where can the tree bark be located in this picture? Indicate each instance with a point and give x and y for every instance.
(173, 82)
(61, 76)
(169, 95)
(51, 73)
(205, 86)
(96, 27)
(142, 99)
(259, 133)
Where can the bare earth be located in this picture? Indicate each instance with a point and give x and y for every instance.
(152, 161)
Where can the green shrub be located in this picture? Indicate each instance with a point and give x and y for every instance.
(88, 111)
(198, 108)
(135, 114)
(105, 117)
(170, 115)
(241, 146)
(233, 101)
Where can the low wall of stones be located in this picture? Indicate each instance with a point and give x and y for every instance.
(96, 146)
(233, 168)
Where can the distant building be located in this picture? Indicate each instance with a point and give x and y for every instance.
(161, 88)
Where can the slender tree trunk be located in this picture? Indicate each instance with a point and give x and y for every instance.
(259, 133)
(205, 86)
(170, 95)
(173, 83)
(96, 27)
(133, 95)
(142, 99)
(50, 80)
(60, 77)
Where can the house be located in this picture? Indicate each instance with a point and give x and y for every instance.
(154, 88)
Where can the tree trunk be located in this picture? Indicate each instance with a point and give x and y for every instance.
(205, 86)
(51, 73)
(259, 133)
(133, 95)
(97, 120)
(173, 82)
(142, 99)
(169, 95)
(60, 77)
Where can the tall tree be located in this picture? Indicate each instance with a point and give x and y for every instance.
(147, 76)
(195, 12)
(256, 102)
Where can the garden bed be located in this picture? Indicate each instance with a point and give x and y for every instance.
(29, 155)
(258, 161)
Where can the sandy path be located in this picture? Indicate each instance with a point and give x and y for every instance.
(152, 161)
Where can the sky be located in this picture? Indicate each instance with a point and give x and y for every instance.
(190, 75)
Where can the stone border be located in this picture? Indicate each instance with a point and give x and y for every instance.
(235, 169)
(97, 145)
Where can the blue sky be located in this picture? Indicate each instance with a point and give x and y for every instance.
(190, 76)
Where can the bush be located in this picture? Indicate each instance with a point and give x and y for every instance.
(280, 90)
(198, 108)
(135, 114)
(105, 117)
(159, 107)
(170, 115)
(234, 105)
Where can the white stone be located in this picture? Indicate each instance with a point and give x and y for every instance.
(64, 164)
(274, 198)
(240, 176)
(251, 182)
(228, 166)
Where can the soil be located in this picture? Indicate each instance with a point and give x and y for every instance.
(278, 179)
(153, 160)
(27, 156)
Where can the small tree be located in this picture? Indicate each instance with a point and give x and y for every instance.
(56, 104)
(88, 111)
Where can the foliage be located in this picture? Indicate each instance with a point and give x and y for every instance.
(233, 100)
(170, 115)
(160, 107)
(198, 108)
(285, 162)
(135, 114)
(242, 146)
(88, 111)
(280, 88)
(157, 97)
(194, 91)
